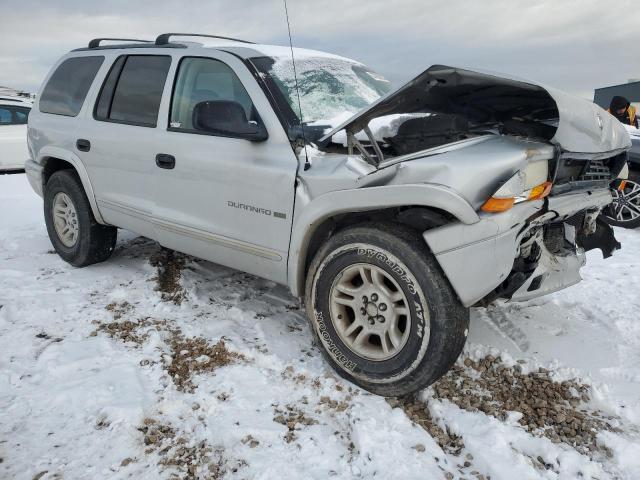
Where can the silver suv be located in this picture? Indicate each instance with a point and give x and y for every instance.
(389, 212)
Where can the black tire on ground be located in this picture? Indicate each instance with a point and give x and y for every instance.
(438, 323)
(609, 214)
(94, 242)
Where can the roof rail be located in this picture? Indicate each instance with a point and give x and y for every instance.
(163, 39)
(95, 43)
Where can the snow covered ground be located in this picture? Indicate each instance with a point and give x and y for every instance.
(151, 365)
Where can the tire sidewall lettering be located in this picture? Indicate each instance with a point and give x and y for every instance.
(370, 253)
(332, 348)
(407, 359)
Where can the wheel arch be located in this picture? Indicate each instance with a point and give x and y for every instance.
(53, 159)
(420, 206)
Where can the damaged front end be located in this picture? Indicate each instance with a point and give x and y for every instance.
(550, 256)
(552, 243)
(529, 251)
(534, 162)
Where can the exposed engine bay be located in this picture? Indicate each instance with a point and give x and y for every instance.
(455, 105)
(422, 133)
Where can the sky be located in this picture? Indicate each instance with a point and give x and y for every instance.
(574, 45)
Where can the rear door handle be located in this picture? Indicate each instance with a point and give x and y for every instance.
(83, 145)
(164, 160)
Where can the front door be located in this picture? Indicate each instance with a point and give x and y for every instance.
(218, 194)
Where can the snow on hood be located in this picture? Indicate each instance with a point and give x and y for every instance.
(574, 124)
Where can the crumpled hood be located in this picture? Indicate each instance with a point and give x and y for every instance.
(514, 106)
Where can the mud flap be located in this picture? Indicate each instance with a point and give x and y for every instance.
(603, 238)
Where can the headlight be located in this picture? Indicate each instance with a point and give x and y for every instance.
(527, 184)
(624, 173)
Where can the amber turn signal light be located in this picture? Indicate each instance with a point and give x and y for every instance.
(496, 205)
(540, 191)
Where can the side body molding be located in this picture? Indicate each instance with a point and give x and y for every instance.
(73, 159)
(310, 213)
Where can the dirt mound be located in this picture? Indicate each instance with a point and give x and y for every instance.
(169, 265)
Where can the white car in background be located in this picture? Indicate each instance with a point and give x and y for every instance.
(14, 112)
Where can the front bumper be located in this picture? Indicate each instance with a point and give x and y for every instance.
(34, 173)
(478, 258)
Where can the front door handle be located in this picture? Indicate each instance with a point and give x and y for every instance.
(164, 160)
(83, 145)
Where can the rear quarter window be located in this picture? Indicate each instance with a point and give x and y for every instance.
(132, 91)
(67, 88)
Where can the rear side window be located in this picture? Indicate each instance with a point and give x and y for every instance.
(13, 115)
(67, 88)
(132, 91)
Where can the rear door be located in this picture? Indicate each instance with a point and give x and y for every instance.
(220, 196)
(118, 140)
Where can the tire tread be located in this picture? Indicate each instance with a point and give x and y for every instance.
(96, 242)
(414, 251)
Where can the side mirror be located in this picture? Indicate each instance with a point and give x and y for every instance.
(227, 118)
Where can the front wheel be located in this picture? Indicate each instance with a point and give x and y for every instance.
(384, 314)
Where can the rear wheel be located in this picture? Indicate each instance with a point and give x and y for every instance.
(383, 312)
(72, 228)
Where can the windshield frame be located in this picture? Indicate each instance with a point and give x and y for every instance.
(287, 116)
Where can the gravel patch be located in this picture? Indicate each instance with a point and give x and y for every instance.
(186, 356)
(294, 419)
(185, 458)
(194, 356)
(543, 406)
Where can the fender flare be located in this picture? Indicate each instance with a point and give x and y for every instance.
(331, 204)
(75, 161)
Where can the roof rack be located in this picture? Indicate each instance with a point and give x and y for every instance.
(95, 43)
(163, 39)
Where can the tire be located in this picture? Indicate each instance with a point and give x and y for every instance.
(89, 241)
(625, 210)
(431, 325)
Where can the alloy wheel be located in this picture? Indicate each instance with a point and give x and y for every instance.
(626, 203)
(370, 312)
(65, 219)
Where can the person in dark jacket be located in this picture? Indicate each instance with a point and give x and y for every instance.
(623, 111)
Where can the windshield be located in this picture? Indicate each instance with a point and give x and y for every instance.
(331, 89)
